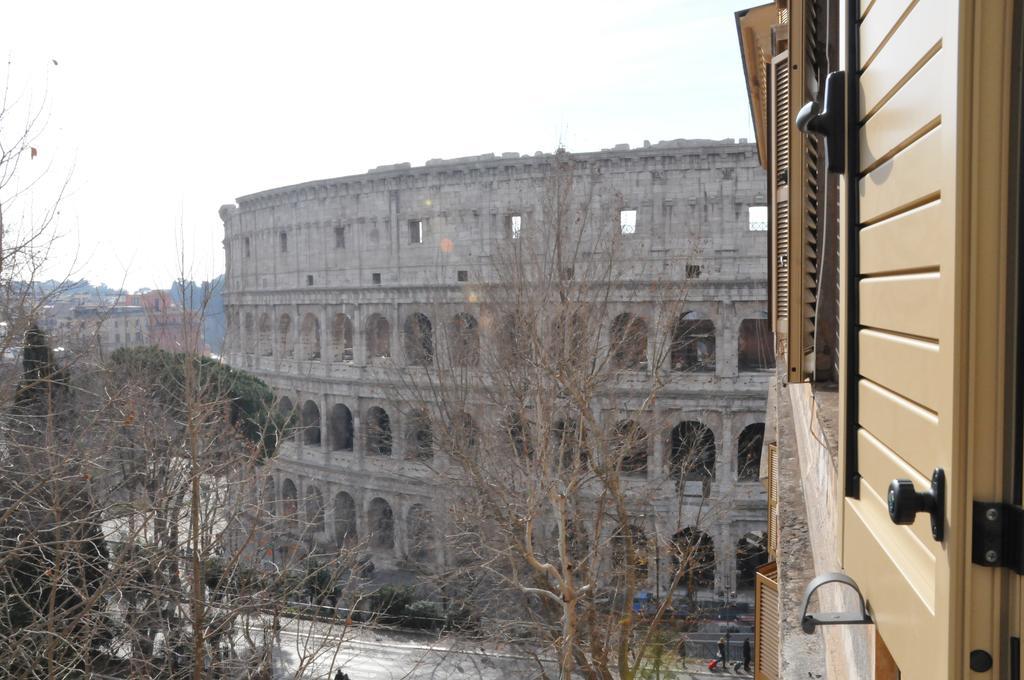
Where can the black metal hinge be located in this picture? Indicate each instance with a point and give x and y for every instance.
(998, 536)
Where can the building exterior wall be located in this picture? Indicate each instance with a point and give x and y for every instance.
(692, 200)
(931, 137)
(104, 328)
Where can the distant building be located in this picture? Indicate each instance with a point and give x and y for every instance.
(105, 328)
(145, 319)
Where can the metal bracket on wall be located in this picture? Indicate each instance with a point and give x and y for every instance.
(998, 539)
(811, 621)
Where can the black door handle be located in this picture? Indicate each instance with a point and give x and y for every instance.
(828, 120)
(905, 502)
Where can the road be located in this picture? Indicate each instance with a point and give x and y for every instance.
(311, 650)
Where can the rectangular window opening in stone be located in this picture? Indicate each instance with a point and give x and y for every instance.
(284, 241)
(693, 271)
(309, 279)
(248, 252)
(415, 231)
(627, 221)
(757, 218)
(462, 275)
(515, 225)
(339, 237)
(376, 278)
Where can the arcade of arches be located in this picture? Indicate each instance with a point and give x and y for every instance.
(692, 345)
(691, 450)
(411, 531)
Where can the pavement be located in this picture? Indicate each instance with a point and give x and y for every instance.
(305, 652)
(309, 650)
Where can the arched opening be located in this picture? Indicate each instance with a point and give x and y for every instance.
(286, 411)
(265, 336)
(249, 329)
(751, 553)
(694, 555)
(378, 337)
(290, 504)
(515, 430)
(345, 530)
(311, 423)
(748, 457)
(421, 534)
(570, 443)
(571, 344)
(378, 432)
(419, 340)
(464, 335)
(341, 338)
(309, 337)
(513, 339)
(629, 342)
(577, 538)
(693, 345)
(755, 345)
(284, 337)
(269, 502)
(341, 428)
(464, 435)
(381, 523)
(315, 509)
(631, 445)
(419, 436)
(629, 551)
(692, 452)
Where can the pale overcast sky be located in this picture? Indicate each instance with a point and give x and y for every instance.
(168, 111)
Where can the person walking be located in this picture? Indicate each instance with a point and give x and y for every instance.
(721, 653)
(746, 654)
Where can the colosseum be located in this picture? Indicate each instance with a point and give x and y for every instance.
(325, 279)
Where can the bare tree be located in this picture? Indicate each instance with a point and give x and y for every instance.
(538, 405)
(135, 518)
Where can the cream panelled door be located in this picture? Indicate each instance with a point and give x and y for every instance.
(901, 386)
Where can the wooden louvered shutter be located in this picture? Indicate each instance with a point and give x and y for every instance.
(902, 389)
(766, 623)
(805, 159)
(778, 125)
(773, 500)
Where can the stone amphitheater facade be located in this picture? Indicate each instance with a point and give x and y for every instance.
(321, 277)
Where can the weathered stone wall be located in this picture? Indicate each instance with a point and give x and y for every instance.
(692, 200)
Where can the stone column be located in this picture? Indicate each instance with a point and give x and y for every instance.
(396, 334)
(329, 520)
(727, 556)
(720, 537)
(396, 422)
(236, 337)
(727, 340)
(325, 360)
(358, 337)
(398, 510)
(300, 430)
(656, 470)
(725, 467)
(275, 344)
(294, 332)
(325, 430)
